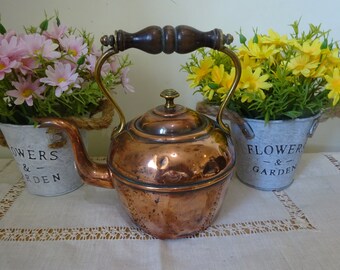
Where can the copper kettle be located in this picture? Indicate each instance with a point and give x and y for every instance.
(171, 166)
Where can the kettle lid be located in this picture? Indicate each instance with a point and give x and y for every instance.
(170, 120)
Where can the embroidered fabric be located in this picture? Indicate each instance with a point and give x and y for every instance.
(297, 221)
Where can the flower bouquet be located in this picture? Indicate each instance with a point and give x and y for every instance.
(283, 77)
(48, 71)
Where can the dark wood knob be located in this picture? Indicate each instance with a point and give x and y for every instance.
(154, 39)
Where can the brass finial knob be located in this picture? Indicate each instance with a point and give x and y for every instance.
(169, 95)
(228, 39)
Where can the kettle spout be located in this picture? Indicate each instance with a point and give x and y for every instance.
(92, 173)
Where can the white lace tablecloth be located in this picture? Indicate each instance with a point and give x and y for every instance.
(298, 228)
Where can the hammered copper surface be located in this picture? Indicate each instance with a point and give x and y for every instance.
(176, 150)
(174, 214)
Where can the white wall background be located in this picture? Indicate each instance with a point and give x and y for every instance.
(153, 73)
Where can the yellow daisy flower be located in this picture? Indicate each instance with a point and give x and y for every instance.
(254, 81)
(208, 92)
(261, 51)
(198, 73)
(333, 84)
(302, 64)
(313, 49)
(331, 58)
(226, 83)
(217, 74)
(274, 38)
(247, 61)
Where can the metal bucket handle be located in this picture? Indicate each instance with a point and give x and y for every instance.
(314, 125)
(181, 39)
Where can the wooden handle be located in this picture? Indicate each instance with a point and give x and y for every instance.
(154, 39)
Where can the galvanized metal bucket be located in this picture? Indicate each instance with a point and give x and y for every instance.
(44, 157)
(269, 160)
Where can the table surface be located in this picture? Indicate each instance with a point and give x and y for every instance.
(297, 228)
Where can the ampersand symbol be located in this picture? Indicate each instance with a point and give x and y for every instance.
(278, 162)
(26, 169)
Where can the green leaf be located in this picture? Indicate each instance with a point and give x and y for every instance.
(213, 85)
(267, 117)
(2, 29)
(81, 60)
(44, 25)
(211, 94)
(243, 39)
(324, 44)
(58, 21)
(293, 114)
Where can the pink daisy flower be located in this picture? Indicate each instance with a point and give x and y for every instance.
(91, 61)
(6, 66)
(62, 76)
(114, 64)
(7, 35)
(26, 90)
(27, 65)
(38, 45)
(57, 32)
(125, 81)
(74, 46)
(95, 51)
(9, 47)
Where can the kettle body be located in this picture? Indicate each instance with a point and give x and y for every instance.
(172, 186)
